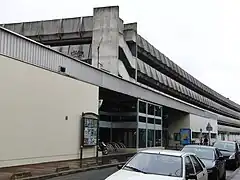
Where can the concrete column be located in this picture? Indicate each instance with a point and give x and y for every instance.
(105, 39)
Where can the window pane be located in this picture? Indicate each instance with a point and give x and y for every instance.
(201, 152)
(150, 109)
(156, 164)
(150, 138)
(142, 119)
(195, 135)
(176, 136)
(151, 120)
(188, 166)
(142, 138)
(158, 137)
(158, 111)
(213, 135)
(197, 164)
(142, 107)
(158, 121)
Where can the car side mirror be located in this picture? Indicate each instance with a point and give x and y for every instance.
(119, 166)
(191, 177)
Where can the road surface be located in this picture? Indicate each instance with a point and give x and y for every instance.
(97, 175)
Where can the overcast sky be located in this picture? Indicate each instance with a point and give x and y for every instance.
(202, 36)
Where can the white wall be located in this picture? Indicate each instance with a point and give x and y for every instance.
(197, 122)
(33, 106)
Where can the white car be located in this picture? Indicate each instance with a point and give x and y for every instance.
(161, 165)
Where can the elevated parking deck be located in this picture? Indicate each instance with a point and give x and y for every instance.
(76, 31)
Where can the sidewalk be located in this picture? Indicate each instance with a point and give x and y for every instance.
(45, 168)
(56, 168)
(235, 175)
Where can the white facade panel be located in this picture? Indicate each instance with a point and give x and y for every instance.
(34, 104)
(197, 122)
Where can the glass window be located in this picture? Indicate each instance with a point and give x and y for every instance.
(160, 164)
(195, 135)
(200, 162)
(201, 152)
(142, 107)
(176, 136)
(158, 137)
(213, 135)
(150, 109)
(158, 110)
(227, 146)
(142, 119)
(197, 164)
(188, 166)
(105, 118)
(128, 118)
(142, 138)
(151, 120)
(150, 138)
(158, 121)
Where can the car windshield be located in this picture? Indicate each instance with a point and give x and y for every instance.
(159, 164)
(225, 146)
(201, 152)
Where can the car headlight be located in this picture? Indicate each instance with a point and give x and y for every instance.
(232, 156)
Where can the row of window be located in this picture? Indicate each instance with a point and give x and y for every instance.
(149, 120)
(149, 138)
(151, 109)
(197, 135)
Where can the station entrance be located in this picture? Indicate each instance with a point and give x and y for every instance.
(128, 123)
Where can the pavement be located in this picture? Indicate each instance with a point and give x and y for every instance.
(50, 169)
(100, 174)
(235, 175)
(54, 169)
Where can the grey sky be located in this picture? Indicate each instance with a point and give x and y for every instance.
(203, 36)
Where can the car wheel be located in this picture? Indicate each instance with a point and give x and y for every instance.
(224, 176)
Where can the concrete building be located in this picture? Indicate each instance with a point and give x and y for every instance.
(58, 69)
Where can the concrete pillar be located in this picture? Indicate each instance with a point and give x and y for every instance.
(105, 37)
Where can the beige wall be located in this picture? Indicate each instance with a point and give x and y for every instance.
(33, 106)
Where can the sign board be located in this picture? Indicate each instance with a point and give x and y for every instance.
(209, 127)
(185, 136)
(89, 129)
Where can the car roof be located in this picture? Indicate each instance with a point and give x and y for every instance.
(166, 152)
(200, 146)
(225, 141)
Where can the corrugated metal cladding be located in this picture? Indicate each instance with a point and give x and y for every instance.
(166, 61)
(165, 80)
(37, 54)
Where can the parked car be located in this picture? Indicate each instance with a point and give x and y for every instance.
(162, 164)
(212, 159)
(230, 152)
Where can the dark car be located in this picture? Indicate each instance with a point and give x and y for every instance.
(211, 158)
(230, 151)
